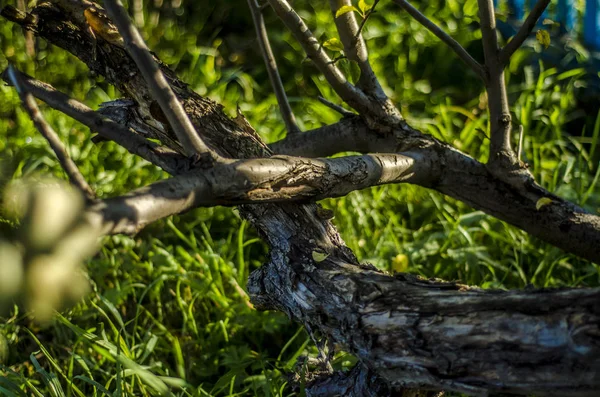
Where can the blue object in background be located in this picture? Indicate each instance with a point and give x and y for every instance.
(591, 24)
(566, 15)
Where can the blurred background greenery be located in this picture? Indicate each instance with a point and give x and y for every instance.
(167, 311)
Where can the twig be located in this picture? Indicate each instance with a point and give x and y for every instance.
(166, 159)
(520, 147)
(336, 107)
(355, 48)
(157, 83)
(263, 40)
(450, 42)
(524, 31)
(366, 18)
(44, 128)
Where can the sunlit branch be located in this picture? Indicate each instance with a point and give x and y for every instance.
(157, 83)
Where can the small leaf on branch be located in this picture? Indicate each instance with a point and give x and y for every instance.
(334, 44)
(319, 256)
(544, 201)
(549, 21)
(543, 37)
(344, 10)
(364, 7)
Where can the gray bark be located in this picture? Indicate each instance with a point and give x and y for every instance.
(412, 333)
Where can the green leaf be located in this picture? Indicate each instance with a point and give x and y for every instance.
(363, 6)
(544, 201)
(319, 256)
(334, 44)
(344, 10)
(543, 37)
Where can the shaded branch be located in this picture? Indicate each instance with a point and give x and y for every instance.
(337, 108)
(164, 158)
(67, 164)
(518, 40)
(449, 41)
(265, 48)
(158, 85)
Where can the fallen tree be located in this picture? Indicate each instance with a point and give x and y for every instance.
(408, 333)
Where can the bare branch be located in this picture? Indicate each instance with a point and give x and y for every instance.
(44, 128)
(518, 40)
(355, 48)
(158, 85)
(502, 160)
(335, 107)
(450, 42)
(164, 158)
(315, 51)
(263, 40)
(274, 179)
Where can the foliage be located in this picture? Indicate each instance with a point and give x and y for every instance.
(168, 309)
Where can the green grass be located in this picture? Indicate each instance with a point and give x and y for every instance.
(168, 313)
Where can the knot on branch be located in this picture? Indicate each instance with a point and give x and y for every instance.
(505, 119)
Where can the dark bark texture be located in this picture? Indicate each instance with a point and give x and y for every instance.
(408, 333)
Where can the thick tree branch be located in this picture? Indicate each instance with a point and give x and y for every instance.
(162, 157)
(450, 42)
(44, 128)
(518, 40)
(432, 335)
(274, 179)
(412, 332)
(265, 48)
(160, 88)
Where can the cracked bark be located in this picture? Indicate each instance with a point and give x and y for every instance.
(412, 333)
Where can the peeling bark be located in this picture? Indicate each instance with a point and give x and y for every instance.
(411, 333)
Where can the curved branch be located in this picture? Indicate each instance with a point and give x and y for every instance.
(44, 128)
(168, 160)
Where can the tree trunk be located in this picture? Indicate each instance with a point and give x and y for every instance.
(412, 333)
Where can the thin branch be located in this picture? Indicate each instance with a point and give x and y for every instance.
(44, 128)
(450, 42)
(366, 18)
(164, 158)
(160, 88)
(337, 108)
(518, 40)
(315, 51)
(263, 40)
(355, 48)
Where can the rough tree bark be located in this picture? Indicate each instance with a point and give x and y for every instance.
(406, 332)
